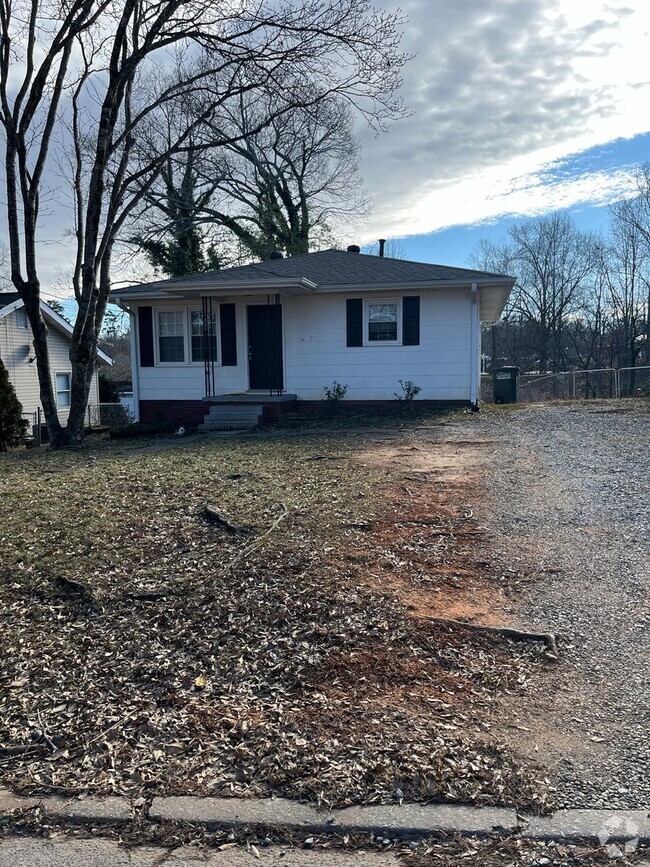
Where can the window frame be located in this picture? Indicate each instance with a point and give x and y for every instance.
(183, 312)
(367, 302)
(59, 391)
(217, 334)
(187, 336)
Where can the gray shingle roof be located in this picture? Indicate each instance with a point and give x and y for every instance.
(329, 268)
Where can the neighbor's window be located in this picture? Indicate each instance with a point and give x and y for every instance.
(63, 390)
(21, 318)
(171, 336)
(382, 321)
(199, 336)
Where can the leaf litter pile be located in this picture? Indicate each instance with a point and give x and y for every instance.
(236, 617)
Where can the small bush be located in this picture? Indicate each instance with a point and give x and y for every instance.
(114, 415)
(409, 391)
(109, 391)
(13, 426)
(335, 393)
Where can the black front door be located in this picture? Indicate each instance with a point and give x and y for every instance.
(265, 347)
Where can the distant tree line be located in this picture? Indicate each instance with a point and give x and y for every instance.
(581, 299)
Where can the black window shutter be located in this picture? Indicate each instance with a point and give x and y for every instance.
(411, 321)
(228, 329)
(354, 321)
(145, 333)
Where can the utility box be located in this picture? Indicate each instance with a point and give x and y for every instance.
(504, 381)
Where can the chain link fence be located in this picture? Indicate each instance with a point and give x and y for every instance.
(591, 384)
(533, 387)
(606, 382)
(634, 382)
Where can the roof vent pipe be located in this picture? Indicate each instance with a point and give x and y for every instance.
(353, 248)
(276, 254)
(382, 242)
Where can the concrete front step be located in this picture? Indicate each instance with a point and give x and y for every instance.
(232, 416)
(235, 413)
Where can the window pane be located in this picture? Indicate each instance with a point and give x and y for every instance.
(198, 338)
(171, 349)
(63, 389)
(382, 322)
(197, 323)
(170, 323)
(198, 351)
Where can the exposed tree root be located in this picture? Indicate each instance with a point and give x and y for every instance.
(547, 638)
(213, 517)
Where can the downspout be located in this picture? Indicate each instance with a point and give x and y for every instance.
(475, 348)
(134, 359)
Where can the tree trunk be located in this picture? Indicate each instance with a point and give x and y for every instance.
(30, 295)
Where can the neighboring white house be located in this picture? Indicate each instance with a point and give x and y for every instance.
(17, 354)
(290, 327)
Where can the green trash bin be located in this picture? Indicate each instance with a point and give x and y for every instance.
(504, 381)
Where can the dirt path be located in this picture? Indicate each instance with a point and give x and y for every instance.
(561, 495)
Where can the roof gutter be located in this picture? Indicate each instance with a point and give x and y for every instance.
(220, 287)
(418, 284)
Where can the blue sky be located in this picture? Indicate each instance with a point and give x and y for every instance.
(455, 245)
(519, 108)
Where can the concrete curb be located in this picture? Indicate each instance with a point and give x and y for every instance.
(90, 810)
(408, 820)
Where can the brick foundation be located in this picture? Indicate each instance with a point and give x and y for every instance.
(311, 408)
(192, 412)
(186, 412)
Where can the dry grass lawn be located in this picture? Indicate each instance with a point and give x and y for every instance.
(144, 650)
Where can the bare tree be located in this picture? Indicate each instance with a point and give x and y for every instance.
(631, 289)
(285, 185)
(553, 263)
(626, 273)
(78, 75)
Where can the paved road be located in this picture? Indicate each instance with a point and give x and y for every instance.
(106, 853)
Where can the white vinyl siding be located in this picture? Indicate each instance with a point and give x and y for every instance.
(315, 352)
(17, 353)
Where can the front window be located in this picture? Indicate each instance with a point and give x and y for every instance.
(171, 340)
(201, 339)
(382, 322)
(63, 390)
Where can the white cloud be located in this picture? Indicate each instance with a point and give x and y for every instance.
(501, 89)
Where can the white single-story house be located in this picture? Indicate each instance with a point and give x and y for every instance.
(17, 354)
(284, 329)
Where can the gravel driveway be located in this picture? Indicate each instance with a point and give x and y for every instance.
(568, 503)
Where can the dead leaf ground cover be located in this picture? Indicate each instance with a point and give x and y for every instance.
(146, 651)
